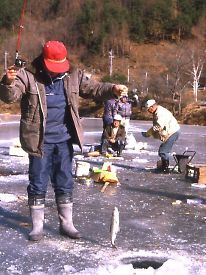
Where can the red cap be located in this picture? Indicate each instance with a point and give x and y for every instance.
(55, 57)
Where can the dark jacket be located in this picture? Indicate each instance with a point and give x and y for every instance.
(107, 133)
(110, 108)
(29, 87)
(124, 109)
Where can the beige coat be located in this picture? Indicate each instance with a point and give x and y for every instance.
(164, 124)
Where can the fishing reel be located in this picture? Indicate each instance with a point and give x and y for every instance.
(20, 63)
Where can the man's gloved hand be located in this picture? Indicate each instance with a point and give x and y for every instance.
(144, 134)
(120, 90)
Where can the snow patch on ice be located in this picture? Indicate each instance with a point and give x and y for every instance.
(13, 269)
(176, 264)
(13, 178)
(140, 160)
(8, 197)
(170, 267)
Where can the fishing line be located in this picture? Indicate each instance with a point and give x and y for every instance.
(21, 26)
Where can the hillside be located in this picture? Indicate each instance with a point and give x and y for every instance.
(154, 66)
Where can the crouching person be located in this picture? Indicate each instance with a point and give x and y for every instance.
(49, 92)
(114, 136)
(166, 128)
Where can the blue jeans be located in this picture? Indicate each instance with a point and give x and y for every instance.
(166, 147)
(56, 165)
(107, 120)
(117, 146)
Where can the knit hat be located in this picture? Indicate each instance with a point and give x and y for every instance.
(55, 57)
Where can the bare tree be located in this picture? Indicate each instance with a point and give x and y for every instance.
(196, 71)
(174, 78)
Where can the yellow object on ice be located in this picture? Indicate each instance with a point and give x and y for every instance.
(106, 176)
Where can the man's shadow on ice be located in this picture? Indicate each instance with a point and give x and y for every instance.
(13, 220)
(18, 222)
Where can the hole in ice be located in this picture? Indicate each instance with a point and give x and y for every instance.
(145, 263)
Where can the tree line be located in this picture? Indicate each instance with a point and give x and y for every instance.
(94, 27)
(95, 22)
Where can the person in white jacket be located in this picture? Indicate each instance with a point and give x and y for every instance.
(166, 128)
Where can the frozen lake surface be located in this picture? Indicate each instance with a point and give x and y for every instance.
(161, 233)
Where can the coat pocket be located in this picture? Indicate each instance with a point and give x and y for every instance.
(29, 136)
(30, 106)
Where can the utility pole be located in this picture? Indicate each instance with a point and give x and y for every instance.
(146, 77)
(5, 60)
(128, 74)
(111, 56)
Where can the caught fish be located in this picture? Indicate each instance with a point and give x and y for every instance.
(114, 227)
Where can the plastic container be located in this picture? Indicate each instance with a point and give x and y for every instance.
(82, 169)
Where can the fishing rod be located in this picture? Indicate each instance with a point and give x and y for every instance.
(18, 61)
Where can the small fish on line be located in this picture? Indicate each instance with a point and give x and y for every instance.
(114, 227)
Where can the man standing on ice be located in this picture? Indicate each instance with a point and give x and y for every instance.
(49, 125)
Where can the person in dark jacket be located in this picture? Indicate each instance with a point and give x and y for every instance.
(49, 125)
(114, 136)
(110, 109)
